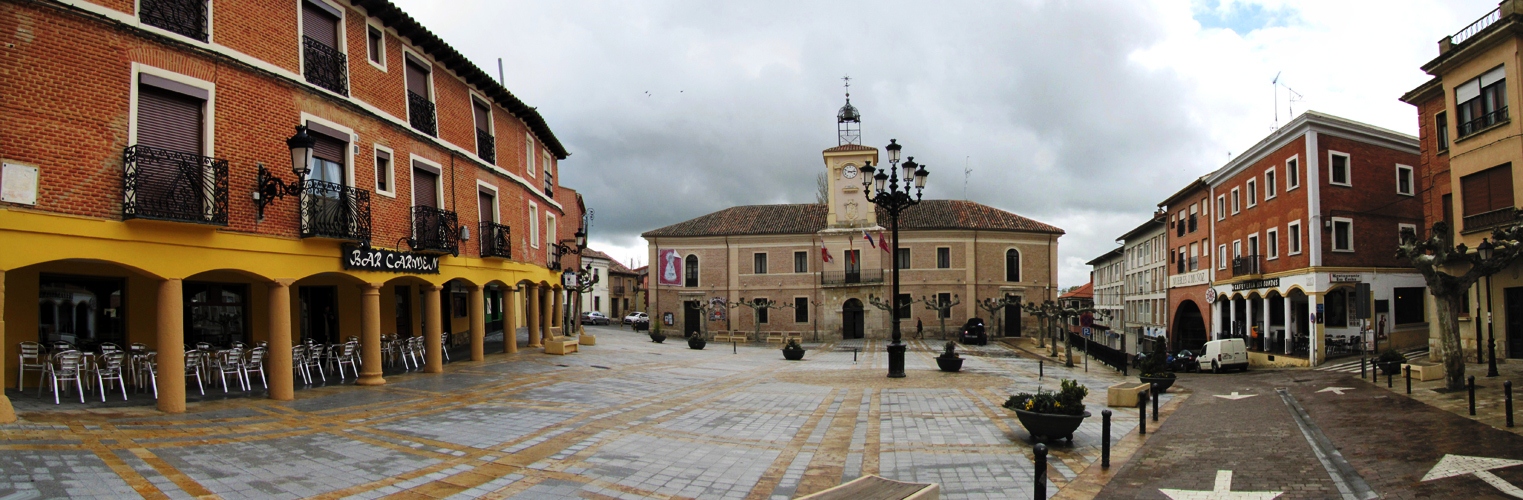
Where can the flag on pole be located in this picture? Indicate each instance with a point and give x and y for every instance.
(869, 239)
(825, 255)
(882, 242)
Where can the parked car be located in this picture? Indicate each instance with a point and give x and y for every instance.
(1184, 361)
(636, 317)
(973, 333)
(1224, 354)
(594, 318)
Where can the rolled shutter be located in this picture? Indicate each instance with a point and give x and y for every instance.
(328, 148)
(1500, 185)
(425, 186)
(169, 120)
(318, 24)
(486, 201)
(483, 119)
(417, 79)
(1474, 189)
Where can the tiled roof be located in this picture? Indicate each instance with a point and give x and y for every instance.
(850, 147)
(588, 253)
(1084, 292)
(615, 267)
(810, 218)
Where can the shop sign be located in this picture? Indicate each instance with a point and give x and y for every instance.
(389, 261)
(1192, 278)
(1256, 284)
(1343, 278)
(1210, 295)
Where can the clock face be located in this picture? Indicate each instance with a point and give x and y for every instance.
(851, 172)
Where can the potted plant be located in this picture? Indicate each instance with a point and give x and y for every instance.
(792, 351)
(949, 361)
(1390, 362)
(696, 342)
(1049, 414)
(1154, 369)
(656, 335)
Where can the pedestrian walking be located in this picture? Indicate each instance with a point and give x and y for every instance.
(919, 328)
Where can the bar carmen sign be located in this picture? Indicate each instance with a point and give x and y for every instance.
(389, 261)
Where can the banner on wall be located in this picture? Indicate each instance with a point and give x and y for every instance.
(670, 268)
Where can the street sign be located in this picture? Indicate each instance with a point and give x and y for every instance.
(1085, 331)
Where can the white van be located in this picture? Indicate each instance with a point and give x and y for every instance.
(1224, 354)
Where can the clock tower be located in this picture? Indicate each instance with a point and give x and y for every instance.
(848, 206)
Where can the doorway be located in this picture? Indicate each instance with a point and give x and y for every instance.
(404, 310)
(1189, 327)
(1514, 308)
(691, 316)
(852, 326)
(319, 314)
(1013, 315)
(81, 310)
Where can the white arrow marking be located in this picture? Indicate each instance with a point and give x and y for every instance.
(1336, 390)
(1221, 491)
(1234, 396)
(1459, 465)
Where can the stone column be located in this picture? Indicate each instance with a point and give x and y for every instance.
(478, 323)
(433, 330)
(1285, 319)
(7, 412)
(1231, 316)
(557, 311)
(370, 335)
(509, 319)
(1248, 305)
(282, 379)
(532, 314)
(546, 311)
(171, 346)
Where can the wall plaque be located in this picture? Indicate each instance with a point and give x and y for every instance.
(389, 261)
(1342, 278)
(18, 184)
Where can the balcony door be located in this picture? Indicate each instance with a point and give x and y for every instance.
(425, 187)
(324, 210)
(852, 324)
(170, 180)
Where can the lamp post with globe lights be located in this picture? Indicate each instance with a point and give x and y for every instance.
(1485, 250)
(882, 188)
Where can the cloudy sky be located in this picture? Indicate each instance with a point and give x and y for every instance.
(1081, 114)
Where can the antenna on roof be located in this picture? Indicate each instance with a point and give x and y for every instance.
(499, 73)
(966, 171)
(1275, 86)
(1291, 98)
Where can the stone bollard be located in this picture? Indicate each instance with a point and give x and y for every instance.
(1154, 397)
(1409, 380)
(1507, 395)
(1470, 383)
(1142, 415)
(1039, 369)
(1105, 434)
(1039, 491)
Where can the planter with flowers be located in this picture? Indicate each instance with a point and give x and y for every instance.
(1051, 415)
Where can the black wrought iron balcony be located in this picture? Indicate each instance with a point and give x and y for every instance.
(420, 113)
(618, 289)
(851, 277)
(331, 210)
(1180, 228)
(1245, 265)
(496, 240)
(1194, 263)
(1192, 223)
(1179, 266)
(184, 17)
(549, 185)
(1488, 220)
(435, 230)
(326, 66)
(1482, 122)
(486, 146)
(170, 185)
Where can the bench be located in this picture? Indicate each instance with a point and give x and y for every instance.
(721, 336)
(799, 336)
(560, 345)
(1425, 372)
(775, 337)
(587, 339)
(1124, 394)
(878, 488)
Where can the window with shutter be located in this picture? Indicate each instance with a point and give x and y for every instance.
(488, 205)
(1487, 190)
(169, 120)
(320, 23)
(425, 188)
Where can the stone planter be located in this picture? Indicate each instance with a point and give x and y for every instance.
(1163, 383)
(949, 364)
(696, 342)
(793, 354)
(657, 338)
(1050, 425)
(1390, 367)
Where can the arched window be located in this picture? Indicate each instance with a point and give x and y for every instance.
(690, 271)
(1012, 265)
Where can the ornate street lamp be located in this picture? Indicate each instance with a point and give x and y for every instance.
(271, 187)
(886, 193)
(1485, 250)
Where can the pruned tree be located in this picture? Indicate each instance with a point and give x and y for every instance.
(707, 308)
(994, 305)
(1063, 314)
(757, 306)
(943, 309)
(1044, 313)
(1449, 272)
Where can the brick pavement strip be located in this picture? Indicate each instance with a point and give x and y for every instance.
(624, 419)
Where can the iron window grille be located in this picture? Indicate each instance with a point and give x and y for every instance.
(435, 230)
(183, 17)
(851, 277)
(326, 67)
(420, 113)
(495, 240)
(1245, 265)
(332, 210)
(170, 185)
(486, 146)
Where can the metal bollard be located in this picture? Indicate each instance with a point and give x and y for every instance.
(854, 355)
(1361, 368)
(1154, 397)
(735, 349)
(1507, 394)
(1389, 375)
(1142, 415)
(1039, 492)
(1409, 380)
(1039, 368)
(1105, 435)
(1470, 383)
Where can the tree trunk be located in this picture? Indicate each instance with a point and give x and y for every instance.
(1449, 338)
(1068, 346)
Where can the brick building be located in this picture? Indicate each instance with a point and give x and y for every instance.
(1189, 266)
(1466, 169)
(139, 149)
(824, 261)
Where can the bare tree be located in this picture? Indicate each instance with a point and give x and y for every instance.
(942, 310)
(1437, 260)
(822, 189)
(994, 305)
(757, 306)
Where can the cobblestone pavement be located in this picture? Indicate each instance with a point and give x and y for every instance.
(1352, 440)
(626, 418)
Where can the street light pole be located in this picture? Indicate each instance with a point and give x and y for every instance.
(894, 200)
(1485, 249)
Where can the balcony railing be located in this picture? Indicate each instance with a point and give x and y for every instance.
(1192, 223)
(435, 230)
(1179, 266)
(1194, 263)
(1476, 27)
(618, 289)
(326, 66)
(495, 240)
(486, 146)
(1245, 265)
(331, 210)
(170, 185)
(1180, 226)
(851, 278)
(1488, 220)
(185, 17)
(1481, 122)
(420, 113)
(549, 185)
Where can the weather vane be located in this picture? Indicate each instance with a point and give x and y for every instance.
(847, 79)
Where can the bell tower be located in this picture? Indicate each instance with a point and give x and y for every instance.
(848, 206)
(848, 120)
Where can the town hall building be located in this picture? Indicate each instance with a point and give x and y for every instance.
(823, 264)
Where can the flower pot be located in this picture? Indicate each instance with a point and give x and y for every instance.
(1160, 384)
(657, 338)
(949, 364)
(793, 354)
(1390, 367)
(1050, 425)
(696, 342)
